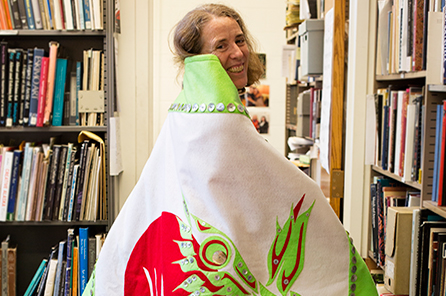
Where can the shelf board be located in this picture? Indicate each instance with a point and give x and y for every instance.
(431, 205)
(52, 223)
(51, 33)
(386, 173)
(437, 87)
(398, 76)
(24, 129)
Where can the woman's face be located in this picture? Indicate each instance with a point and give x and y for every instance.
(223, 37)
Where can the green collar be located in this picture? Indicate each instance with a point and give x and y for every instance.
(207, 88)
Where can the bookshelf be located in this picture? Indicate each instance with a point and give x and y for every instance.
(34, 239)
(400, 79)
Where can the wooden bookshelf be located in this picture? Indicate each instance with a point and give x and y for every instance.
(431, 205)
(399, 76)
(393, 176)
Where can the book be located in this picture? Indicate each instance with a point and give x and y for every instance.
(23, 192)
(9, 87)
(97, 15)
(12, 270)
(7, 160)
(8, 12)
(29, 14)
(59, 181)
(81, 176)
(385, 147)
(58, 15)
(51, 277)
(43, 86)
(69, 271)
(51, 184)
(438, 133)
(83, 257)
(36, 13)
(5, 246)
(69, 183)
(22, 87)
(22, 15)
(87, 14)
(59, 92)
(15, 14)
(35, 83)
(16, 160)
(59, 274)
(91, 255)
(28, 83)
(17, 97)
(441, 174)
(417, 138)
(41, 287)
(71, 205)
(75, 267)
(41, 186)
(374, 220)
(36, 278)
(409, 139)
(3, 81)
(68, 15)
(54, 46)
(80, 14)
(87, 179)
(415, 251)
(33, 180)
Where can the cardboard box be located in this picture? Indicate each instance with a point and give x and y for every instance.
(311, 33)
(398, 247)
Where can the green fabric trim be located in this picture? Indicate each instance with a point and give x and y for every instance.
(207, 88)
(360, 281)
(89, 288)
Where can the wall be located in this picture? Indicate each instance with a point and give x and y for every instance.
(147, 82)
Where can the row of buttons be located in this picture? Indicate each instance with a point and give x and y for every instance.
(208, 108)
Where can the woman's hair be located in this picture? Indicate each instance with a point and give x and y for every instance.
(187, 37)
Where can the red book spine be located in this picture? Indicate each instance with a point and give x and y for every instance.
(43, 85)
(442, 158)
(403, 132)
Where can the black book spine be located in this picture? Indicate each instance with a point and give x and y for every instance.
(59, 181)
(15, 14)
(10, 87)
(27, 99)
(80, 182)
(17, 86)
(22, 87)
(51, 184)
(3, 80)
(22, 12)
(70, 181)
(41, 287)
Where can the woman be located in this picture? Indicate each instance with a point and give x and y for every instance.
(202, 220)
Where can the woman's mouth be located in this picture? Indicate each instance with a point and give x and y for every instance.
(236, 69)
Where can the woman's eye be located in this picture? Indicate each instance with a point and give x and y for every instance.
(240, 41)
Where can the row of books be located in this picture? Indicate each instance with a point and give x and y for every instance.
(439, 175)
(62, 182)
(402, 34)
(69, 265)
(51, 15)
(385, 193)
(399, 126)
(33, 83)
(8, 263)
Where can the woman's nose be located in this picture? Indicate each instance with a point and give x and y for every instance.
(236, 51)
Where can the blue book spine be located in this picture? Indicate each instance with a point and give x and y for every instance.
(14, 185)
(29, 14)
(70, 241)
(50, 13)
(59, 268)
(36, 278)
(59, 91)
(385, 151)
(26, 171)
(35, 81)
(83, 257)
(87, 14)
(438, 129)
(27, 93)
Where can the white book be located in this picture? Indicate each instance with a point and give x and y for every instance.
(91, 152)
(57, 15)
(399, 113)
(98, 15)
(414, 252)
(58, 278)
(32, 184)
(49, 286)
(80, 14)
(6, 182)
(24, 186)
(93, 189)
(410, 133)
(90, 3)
(36, 13)
(68, 13)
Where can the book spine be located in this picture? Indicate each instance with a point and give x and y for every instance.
(68, 14)
(54, 45)
(17, 87)
(36, 278)
(30, 15)
(59, 181)
(9, 91)
(65, 181)
(87, 14)
(3, 18)
(6, 182)
(31, 204)
(374, 220)
(51, 184)
(16, 14)
(12, 270)
(83, 258)
(58, 278)
(26, 171)
(22, 14)
(8, 13)
(36, 13)
(35, 82)
(22, 88)
(72, 193)
(91, 255)
(4, 267)
(385, 148)
(441, 173)
(43, 86)
(70, 187)
(28, 83)
(79, 70)
(68, 278)
(3, 82)
(80, 184)
(14, 185)
(444, 49)
(438, 134)
(58, 15)
(403, 133)
(59, 92)
(41, 286)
